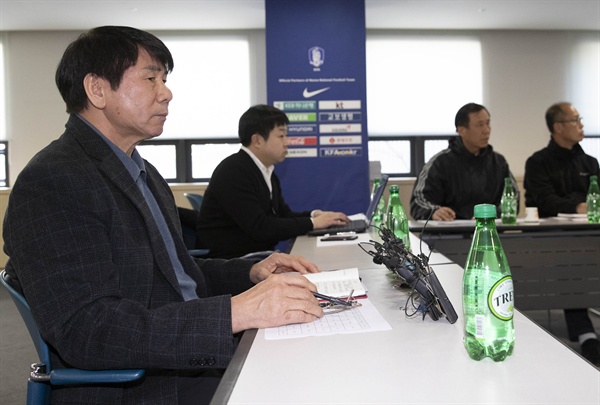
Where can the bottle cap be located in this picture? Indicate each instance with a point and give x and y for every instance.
(485, 211)
(394, 188)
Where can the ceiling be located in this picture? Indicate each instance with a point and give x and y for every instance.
(18, 15)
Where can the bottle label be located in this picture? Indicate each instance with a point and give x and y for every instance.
(480, 326)
(501, 299)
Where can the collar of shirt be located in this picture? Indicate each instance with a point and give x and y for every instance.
(134, 164)
(266, 171)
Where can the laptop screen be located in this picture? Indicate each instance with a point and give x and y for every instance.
(376, 197)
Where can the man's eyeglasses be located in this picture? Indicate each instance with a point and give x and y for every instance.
(577, 120)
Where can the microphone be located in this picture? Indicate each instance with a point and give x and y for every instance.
(415, 272)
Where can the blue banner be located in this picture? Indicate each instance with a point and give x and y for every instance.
(316, 73)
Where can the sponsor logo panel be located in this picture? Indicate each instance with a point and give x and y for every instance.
(302, 129)
(339, 105)
(302, 152)
(340, 152)
(295, 105)
(340, 128)
(340, 116)
(340, 140)
(302, 117)
(302, 140)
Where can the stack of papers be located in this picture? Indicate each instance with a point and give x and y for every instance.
(338, 283)
(573, 217)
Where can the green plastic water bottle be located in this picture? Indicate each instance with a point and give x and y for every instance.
(508, 203)
(379, 213)
(488, 297)
(396, 219)
(593, 201)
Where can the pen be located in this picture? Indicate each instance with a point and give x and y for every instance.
(334, 300)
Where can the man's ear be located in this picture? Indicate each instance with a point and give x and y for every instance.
(95, 88)
(557, 127)
(257, 139)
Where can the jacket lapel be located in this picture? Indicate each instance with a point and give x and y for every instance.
(110, 165)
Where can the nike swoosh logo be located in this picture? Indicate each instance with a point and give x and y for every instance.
(309, 94)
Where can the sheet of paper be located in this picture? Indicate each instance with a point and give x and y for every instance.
(365, 318)
(338, 283)
(573, 217)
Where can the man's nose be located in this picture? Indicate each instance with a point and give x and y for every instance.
(165, 94)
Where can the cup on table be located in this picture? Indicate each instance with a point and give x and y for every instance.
(531, 214)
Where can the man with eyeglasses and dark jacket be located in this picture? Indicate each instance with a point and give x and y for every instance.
(556, 181)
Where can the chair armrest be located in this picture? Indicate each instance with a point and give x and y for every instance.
(69, 376)
(198, 252)
(258, 255)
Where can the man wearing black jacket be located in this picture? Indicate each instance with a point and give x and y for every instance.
(465, 174)
(556, 181)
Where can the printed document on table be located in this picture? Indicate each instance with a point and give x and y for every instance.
(338, 283)
(365, 318)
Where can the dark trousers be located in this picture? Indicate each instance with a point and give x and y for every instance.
(578, 322)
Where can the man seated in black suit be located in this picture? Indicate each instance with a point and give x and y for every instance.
(243, 210)
(94, 242)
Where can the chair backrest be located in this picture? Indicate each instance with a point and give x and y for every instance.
(40, 346)
(42, 376)
(195, 200)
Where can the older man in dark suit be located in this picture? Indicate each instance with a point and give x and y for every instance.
(95, 244)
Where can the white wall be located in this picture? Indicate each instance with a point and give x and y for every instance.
(524, 73)
(35, 110)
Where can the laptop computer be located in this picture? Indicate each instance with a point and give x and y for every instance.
(357, 225)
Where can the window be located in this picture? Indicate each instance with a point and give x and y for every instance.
(415, 85)
(206, 157)
(585, 87)
(187, 160)
(2, 95)
(412, 82)
(404, 156)
(591, 146)
(211, 89)
(411, 115)
(394, 155)
(3, 164)
(3, 142)
(163, 156)
(210, 84)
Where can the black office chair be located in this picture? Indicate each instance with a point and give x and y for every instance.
(195, 200)
(189, 222)
(42, 376)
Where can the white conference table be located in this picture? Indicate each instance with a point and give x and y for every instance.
(417, 362)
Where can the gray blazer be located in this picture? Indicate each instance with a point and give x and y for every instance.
(89, 258)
